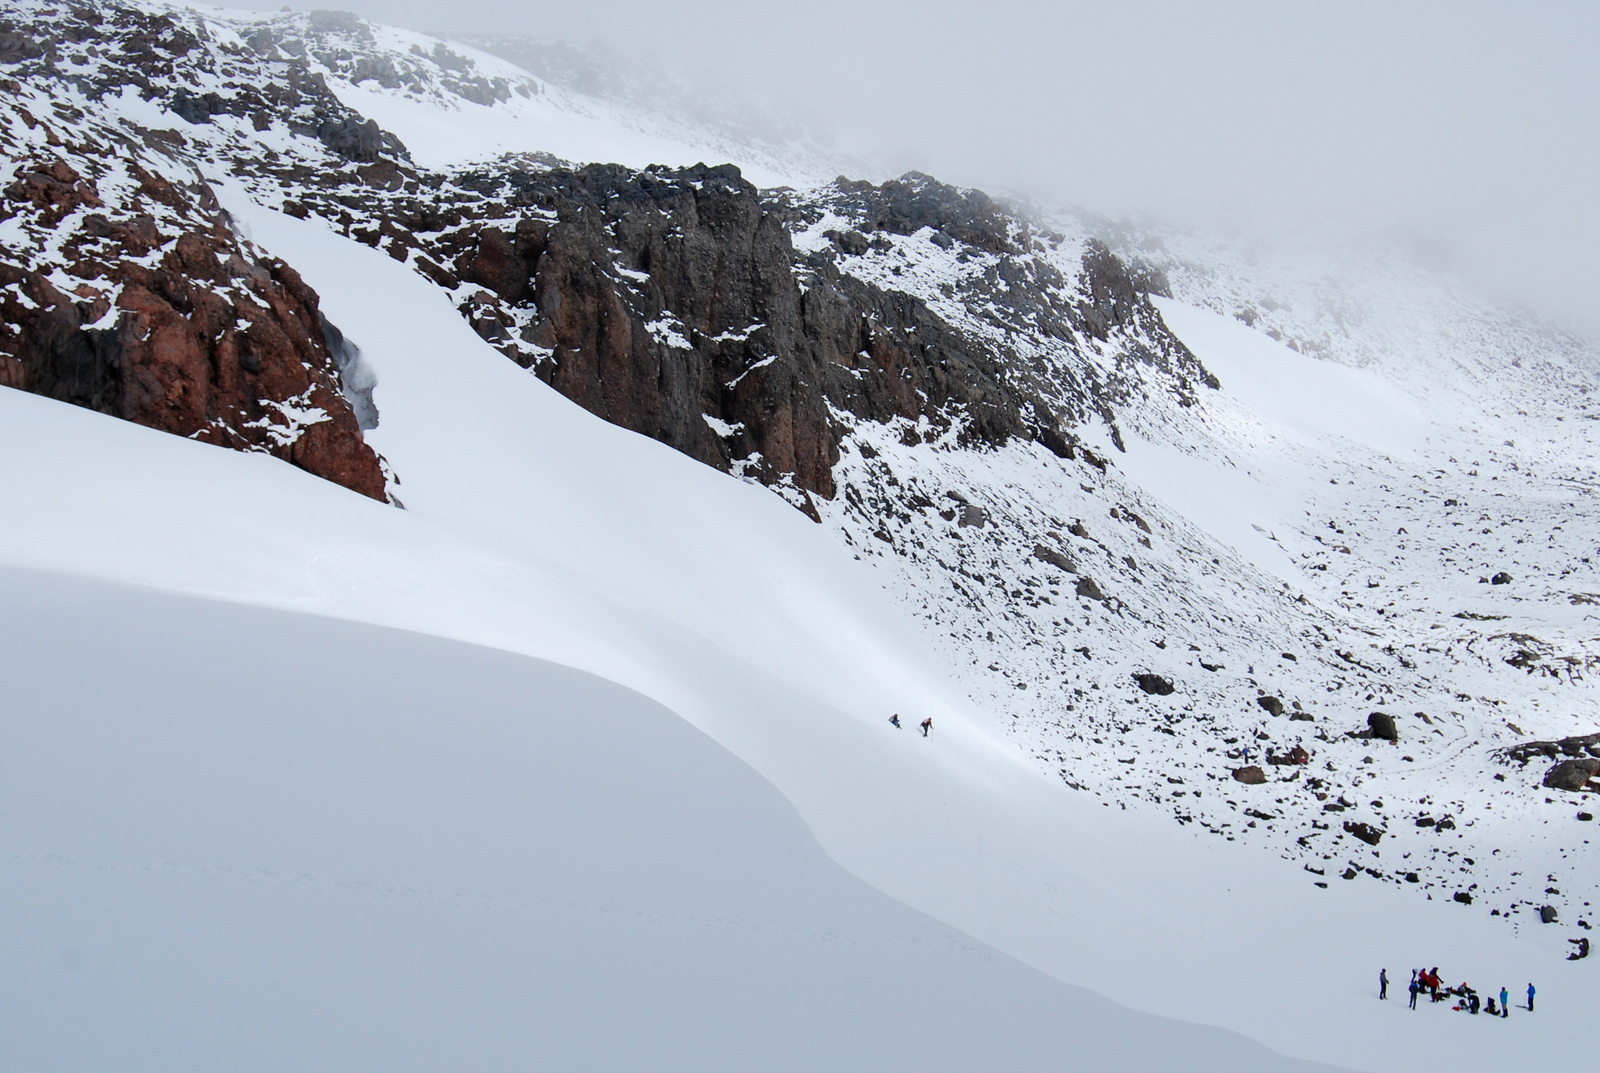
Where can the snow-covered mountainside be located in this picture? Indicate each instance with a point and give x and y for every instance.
(1213, 549)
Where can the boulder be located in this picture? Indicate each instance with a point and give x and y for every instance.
(1154, 684)
(1272, 704)
(1547, 914)
(1089, 590)
(1502, 578)
(1250, 776)
(1382, 726)
(1364, 831)
(1572, 775)
(1060, 561)
(1463, 897)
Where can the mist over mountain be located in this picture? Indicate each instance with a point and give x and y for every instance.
(1469, 129)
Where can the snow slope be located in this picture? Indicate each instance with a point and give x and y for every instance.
(415, 854)
(534, 528)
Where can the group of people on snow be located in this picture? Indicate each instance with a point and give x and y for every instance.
(1428, 982)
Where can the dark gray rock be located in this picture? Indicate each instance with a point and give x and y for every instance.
(1250, 776)
(16, 47)
(1155, 685)
(1577, 745)
(853, 243)
(1365, 831)
(1089, 590)
(357, 139)
(1381, 725)
(1573, 775)
(1055, 558)
(1273, 705)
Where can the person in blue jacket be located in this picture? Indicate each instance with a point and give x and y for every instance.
(1530, 998)
(1505, 1003)
(1383, 983)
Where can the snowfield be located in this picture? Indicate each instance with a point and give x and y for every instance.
(418, 854)
(534, 528)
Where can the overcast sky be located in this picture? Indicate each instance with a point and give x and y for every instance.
(1469, 123)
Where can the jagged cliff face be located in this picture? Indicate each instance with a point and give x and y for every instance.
(122, 287)
(678, 304)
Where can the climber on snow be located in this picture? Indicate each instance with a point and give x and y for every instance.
(894, 720)
(927, 725)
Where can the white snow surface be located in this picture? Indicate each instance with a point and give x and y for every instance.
(534, 528)
(428, 855)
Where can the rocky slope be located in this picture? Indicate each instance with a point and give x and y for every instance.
(122, 287)
(996, 412)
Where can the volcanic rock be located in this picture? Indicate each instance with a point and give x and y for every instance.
(1572, 774)
(1055, 558)
(1154, 684)
(1365, 831)
(1089, 590)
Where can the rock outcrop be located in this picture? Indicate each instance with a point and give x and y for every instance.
(675, 302)
(123, 287)
(1574, 775)
(171, 322)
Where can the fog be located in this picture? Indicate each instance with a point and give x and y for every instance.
(1470, 128)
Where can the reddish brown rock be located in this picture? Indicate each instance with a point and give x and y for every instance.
(214, 343)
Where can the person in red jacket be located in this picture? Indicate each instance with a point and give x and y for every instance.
(927, 725)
